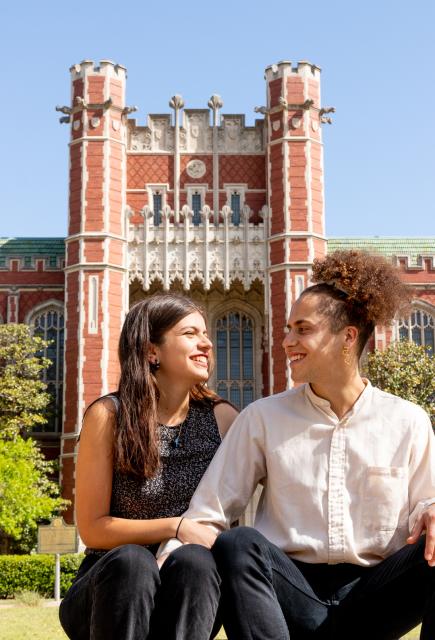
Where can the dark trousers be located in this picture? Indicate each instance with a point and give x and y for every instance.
(123, 596)
(268, 596)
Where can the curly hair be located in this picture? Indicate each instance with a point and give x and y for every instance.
(359, 289)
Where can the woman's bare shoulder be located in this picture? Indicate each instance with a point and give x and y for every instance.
(225, 414)
(99, 419)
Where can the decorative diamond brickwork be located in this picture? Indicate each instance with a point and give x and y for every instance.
(243, 169)
(152, 169)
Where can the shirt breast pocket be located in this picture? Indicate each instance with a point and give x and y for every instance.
(385, 494)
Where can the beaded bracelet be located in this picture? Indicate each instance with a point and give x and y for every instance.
(178, 528)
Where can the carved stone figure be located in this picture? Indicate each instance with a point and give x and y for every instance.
(196, 169)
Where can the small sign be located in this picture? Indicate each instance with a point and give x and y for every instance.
(57, 537)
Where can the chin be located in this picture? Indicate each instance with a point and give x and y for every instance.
(298, 376)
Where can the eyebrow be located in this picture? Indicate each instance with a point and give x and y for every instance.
(297, 323)
(191, 326)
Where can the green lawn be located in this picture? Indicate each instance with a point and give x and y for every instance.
(41, 623)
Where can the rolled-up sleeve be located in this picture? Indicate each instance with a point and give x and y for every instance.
(421, 469)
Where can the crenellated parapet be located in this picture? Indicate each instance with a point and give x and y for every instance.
(196, 134)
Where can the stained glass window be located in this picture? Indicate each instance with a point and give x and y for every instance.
(418, 327)
(235, 358)
(49, 325)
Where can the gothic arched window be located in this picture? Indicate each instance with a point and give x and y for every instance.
(418, 327)
(235, 358)
(49, 325)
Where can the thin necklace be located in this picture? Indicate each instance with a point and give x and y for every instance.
(176, 442)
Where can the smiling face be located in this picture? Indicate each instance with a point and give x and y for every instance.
(184, 352)
(313, 350)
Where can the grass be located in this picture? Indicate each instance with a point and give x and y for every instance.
(23, 622)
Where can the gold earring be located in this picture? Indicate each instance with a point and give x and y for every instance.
(346, 355)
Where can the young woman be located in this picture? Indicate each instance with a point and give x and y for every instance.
(349, 481)
(142, 453)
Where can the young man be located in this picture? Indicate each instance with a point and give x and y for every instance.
(348, 475)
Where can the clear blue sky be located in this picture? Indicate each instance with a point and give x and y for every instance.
(377, 59)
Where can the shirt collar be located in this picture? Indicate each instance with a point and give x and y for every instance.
(325, 405)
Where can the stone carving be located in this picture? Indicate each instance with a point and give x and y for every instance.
(232, 134)
(205, 258)
(196, 169)
(197, 125)
(183, 138)
(251, 141)
(141, 140)
(95, 122)
(159, 135)
(215, 102)
(196, 134)
(176, 102)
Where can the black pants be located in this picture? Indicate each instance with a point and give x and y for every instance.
(123, 596)
(268, 596)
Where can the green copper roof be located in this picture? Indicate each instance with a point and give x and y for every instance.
(388, 246)
(42, 247)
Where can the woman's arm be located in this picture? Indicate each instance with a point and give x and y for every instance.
(225, 415)
(94, 471)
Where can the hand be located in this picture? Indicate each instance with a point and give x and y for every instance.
(426, 522)
(191, 532)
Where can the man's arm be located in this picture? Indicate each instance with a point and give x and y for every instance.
(229, 482)
(422, 488)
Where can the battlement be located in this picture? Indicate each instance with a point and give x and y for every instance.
(196, 134)
(103, 68)
(284, 68)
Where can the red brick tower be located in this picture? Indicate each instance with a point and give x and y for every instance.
(96, 283)
(295, 192)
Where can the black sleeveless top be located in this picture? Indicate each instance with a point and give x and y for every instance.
(186, 451)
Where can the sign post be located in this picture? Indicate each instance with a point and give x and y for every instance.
(57, 537)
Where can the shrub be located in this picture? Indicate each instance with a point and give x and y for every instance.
(36, 573)
(406, 370)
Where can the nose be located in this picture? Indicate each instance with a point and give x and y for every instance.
(289, 339)
(205, 342)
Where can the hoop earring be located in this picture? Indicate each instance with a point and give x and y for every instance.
(154, 366)
(346, 356)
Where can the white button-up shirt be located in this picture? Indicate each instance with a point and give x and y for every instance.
(334, 490)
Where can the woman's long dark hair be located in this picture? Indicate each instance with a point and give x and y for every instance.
(136, 441)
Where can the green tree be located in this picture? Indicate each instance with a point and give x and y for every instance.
(406, 370)
(23, 396)
(27, 495)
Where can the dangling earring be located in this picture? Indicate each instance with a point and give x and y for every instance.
(154, 366)
(346, 355)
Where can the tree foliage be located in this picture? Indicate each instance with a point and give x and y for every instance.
(406, 370)
(23, 395)
(27, 495)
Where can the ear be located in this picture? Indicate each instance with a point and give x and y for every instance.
(350, 336)
(152, 353)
